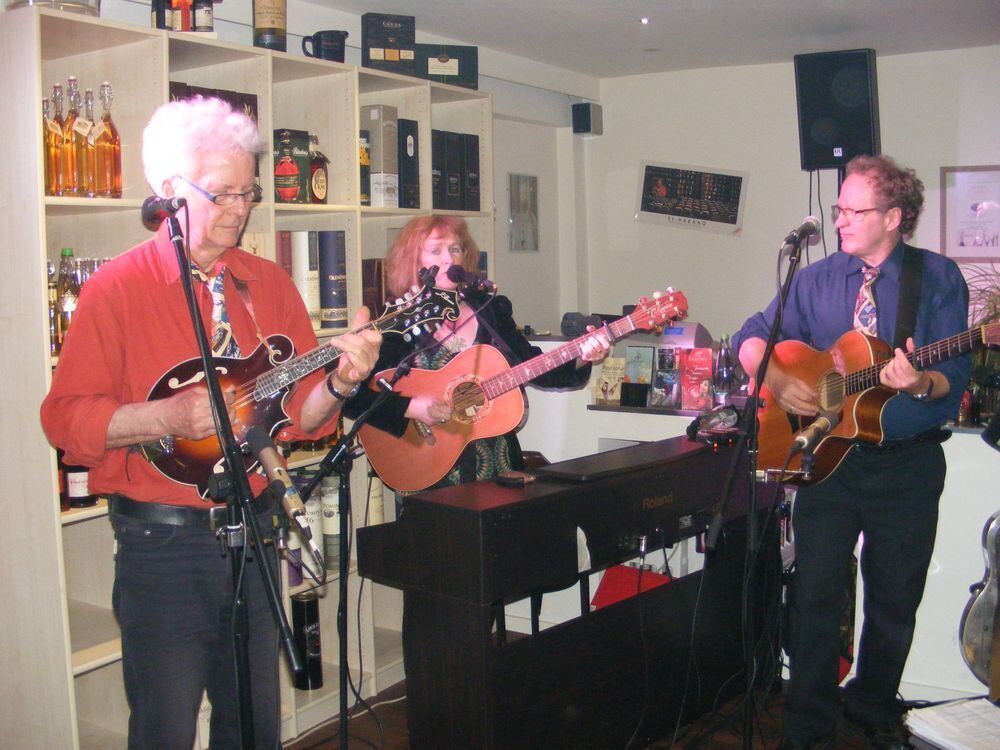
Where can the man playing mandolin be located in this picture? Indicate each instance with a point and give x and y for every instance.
(173, 588)
(889, 478)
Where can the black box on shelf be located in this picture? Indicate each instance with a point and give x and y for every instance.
(291, 166)
(470, 169)
(437, 168)
(387, 42)
(454, 178)
(448, 63)
(409, 164)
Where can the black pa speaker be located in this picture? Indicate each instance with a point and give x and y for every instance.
(837, 97)
(587, 118)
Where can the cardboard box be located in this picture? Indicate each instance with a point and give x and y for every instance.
(387, 42)
(448, 63)
(291, 166)
(381, 122)
(409, 164)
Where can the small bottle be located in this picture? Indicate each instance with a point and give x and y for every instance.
(67, 292)
(78, 486)
(55, 333)
(83, 150)
(725, 371)
(69, 185)
(366, 168)
(181, 16)
(54, 142)
(161, 14)
(286, 171)
(107, 150)
(202, 15)
(318, 183)
(270, 19)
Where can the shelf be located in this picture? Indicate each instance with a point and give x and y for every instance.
(316, 706)
(95, 736)
(75, 515)
(94, 637)
(60, 206)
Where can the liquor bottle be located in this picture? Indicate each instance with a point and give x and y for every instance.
(67, 291)
(161, 14)
(318, 171)
(55, 333)
(78, 486)
(366, 169)
(61, 476)
(270, 19)
(68, 163)
(46, 116)
(107, 150)
(181, 16)
(286, 171)
(83, 149)
(54, 142)
(305, 625)
(202, 15)
(725, 371)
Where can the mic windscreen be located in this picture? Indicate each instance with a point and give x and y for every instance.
(258, 440)
(458, 274)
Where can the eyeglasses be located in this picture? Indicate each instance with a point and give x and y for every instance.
(253, 195)
(850, 214)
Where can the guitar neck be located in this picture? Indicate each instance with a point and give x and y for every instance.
(536, 366)
(939, 351)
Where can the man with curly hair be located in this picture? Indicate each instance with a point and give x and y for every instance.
(890, 491)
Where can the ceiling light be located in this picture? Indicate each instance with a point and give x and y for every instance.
(644, 21)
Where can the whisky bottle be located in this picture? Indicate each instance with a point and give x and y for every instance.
(202, 15)
(107, 150)
(69, 183)
(286, 170)
(67, 291)
(61, 476)
(270, 19)
(78, 486)
(161, 14)
(366, 168)
(181, 16)
(318, 183)
(53, 142)
(83, 149)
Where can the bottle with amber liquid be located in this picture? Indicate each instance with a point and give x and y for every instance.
(286, 171)
(46, 116)
(54, 142)
(83, 149)
(364, 157)
(270, 19)
(107, 150)
(69, 184)
(318, 183)
(67, 291)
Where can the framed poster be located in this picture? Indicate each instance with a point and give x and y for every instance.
(970, 213)
(706, 199)
(523, 219)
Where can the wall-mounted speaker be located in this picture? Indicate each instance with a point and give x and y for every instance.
(587, 118)
(837, 97)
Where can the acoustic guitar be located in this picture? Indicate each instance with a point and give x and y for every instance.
(262, 381)
(977, 627)
(485, 396)
(846, 378)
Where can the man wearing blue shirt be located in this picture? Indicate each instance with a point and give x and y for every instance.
(890, 491)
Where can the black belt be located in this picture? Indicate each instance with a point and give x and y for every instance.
(936, 435)
(211, 517)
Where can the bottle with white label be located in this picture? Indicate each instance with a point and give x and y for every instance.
(77, 480)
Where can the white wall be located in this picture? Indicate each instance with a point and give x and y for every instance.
(937, 109)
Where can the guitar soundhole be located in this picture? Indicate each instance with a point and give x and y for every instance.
(831, 391)
(466, 401)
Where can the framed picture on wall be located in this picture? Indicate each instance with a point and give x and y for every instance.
(970, 213)
(702, 198)
(523, 190)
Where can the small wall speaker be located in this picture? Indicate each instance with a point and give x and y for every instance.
(587, 118)
(837, 98)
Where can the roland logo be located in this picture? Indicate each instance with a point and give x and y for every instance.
(657, 501)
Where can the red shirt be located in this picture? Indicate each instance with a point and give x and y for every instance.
(131, 326)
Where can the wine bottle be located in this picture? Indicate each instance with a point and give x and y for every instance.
(270, 19)
(318, 171)
(78, 486)
(67, 291)
(61, 473)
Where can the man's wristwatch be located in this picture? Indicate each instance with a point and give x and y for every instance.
(926, 394)
(341, 396)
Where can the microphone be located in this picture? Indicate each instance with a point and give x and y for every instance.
(155, 209)
(809, 226)
(427, 276)
(262, 447)
(806, 440)
(470, 280)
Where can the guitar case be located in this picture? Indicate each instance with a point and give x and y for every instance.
(978, 624)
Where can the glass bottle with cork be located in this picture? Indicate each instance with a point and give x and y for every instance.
(107, 150)
(83, 150)
(46, 116)
(54, 142)
(69, 184)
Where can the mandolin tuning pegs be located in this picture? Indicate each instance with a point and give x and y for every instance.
(656, 295)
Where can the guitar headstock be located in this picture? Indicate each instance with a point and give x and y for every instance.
(419, 310)
(664, 307)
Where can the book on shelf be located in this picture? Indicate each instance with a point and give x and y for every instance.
(696, 378)
(638, 364)
(305, 271)
(608, 385)
(332, 247)
(665, 390)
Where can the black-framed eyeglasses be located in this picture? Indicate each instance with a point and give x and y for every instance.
(851, 214)
(253, 195)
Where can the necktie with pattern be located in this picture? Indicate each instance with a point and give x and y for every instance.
(865, 314)
(223, 342)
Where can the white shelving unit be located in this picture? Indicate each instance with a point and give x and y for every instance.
(61, 653)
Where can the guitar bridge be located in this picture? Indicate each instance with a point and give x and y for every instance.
(157, 449)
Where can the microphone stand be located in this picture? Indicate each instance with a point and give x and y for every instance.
(234, 487)
(747, 438)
